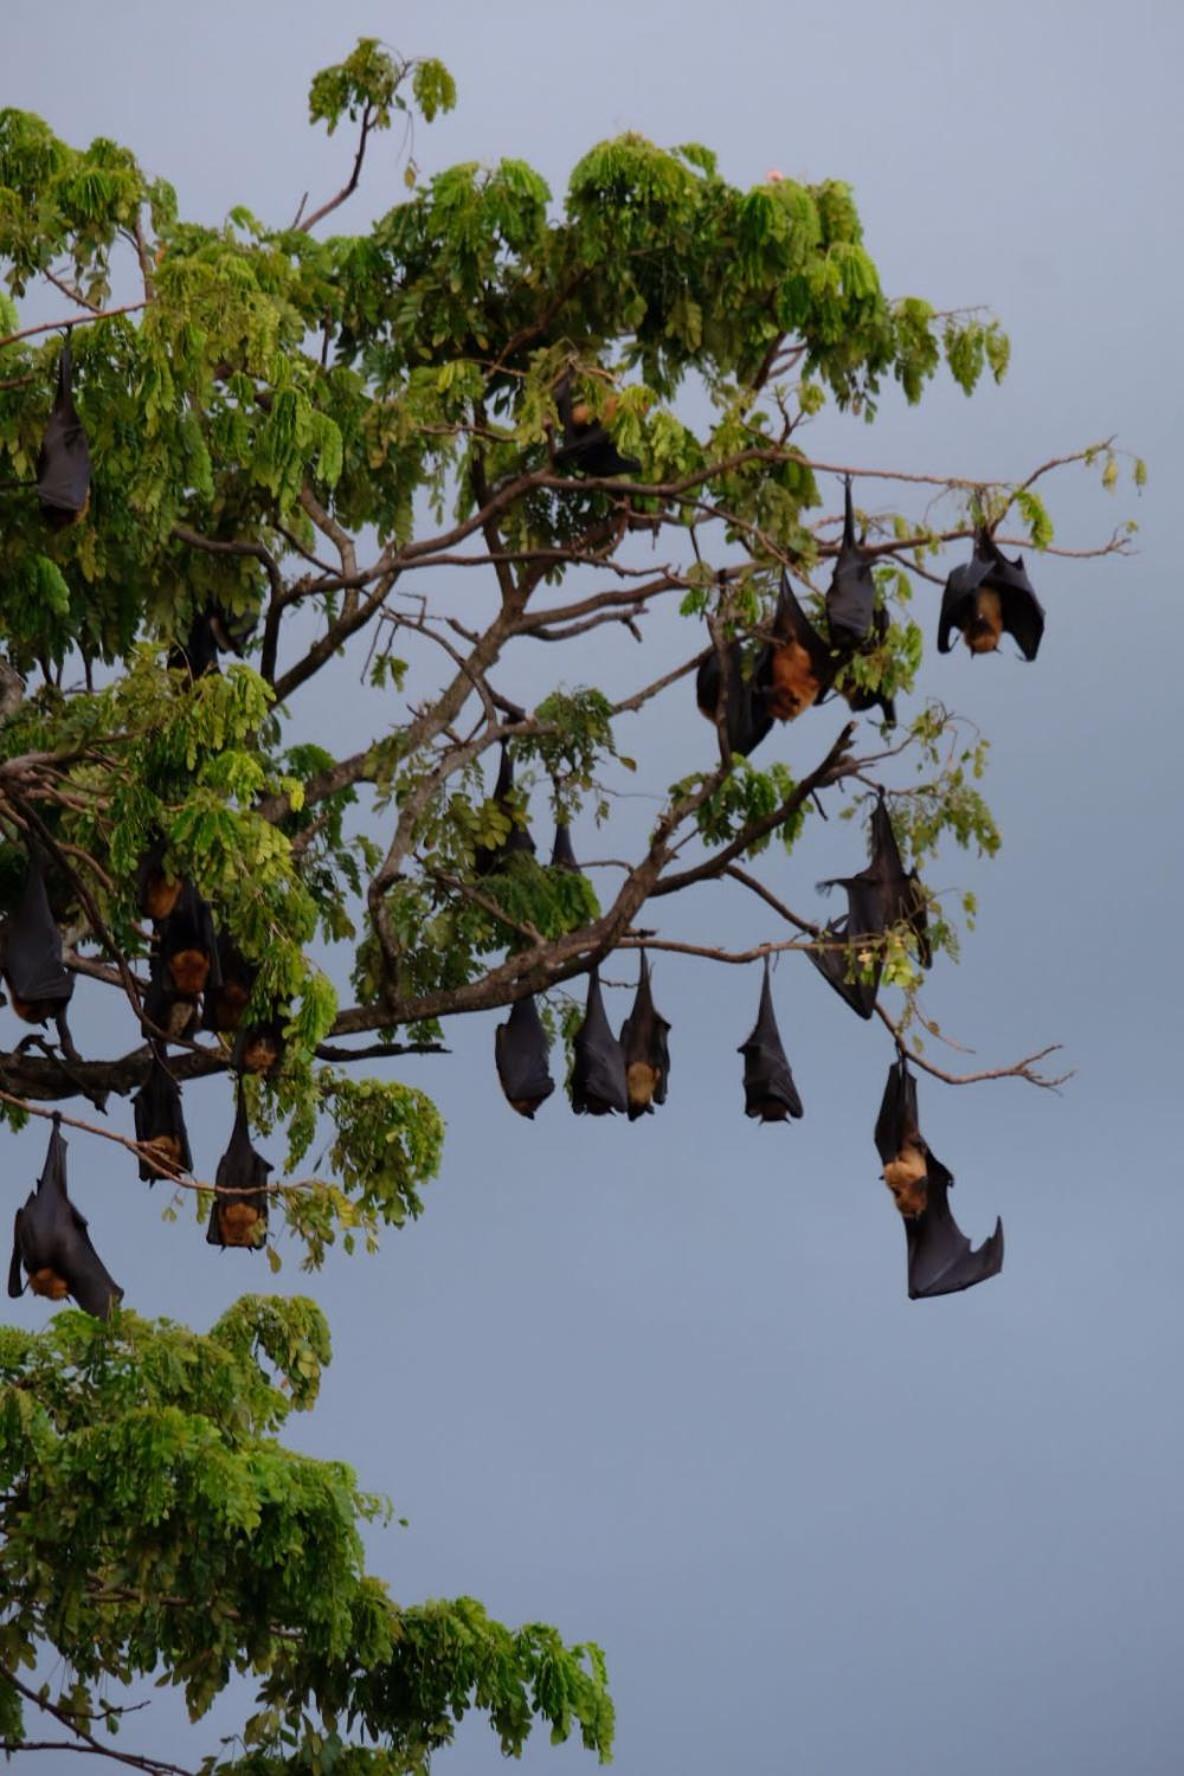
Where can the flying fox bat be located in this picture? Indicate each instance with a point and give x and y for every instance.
(940, 1258)
(239, 1214)
(859, 698)
(226, 998)
(164, 1012)
(647, 1054)
(188, 946)
(157, 893)
(880, 896)
(562, 854)
(38, 981)
(851, 599)
(160, 1121)
(598, 1085)
(51, 1243)
(587, 445)
(769, 1090)
(988, 596)
(520, 1050)
(796, 670)
(260, 1047)
(199, 653)
(63, 462)
(747, 716)
(487, 858)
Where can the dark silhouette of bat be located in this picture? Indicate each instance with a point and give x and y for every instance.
(858, 697)
(51, 1243)
(239, 1214)
(188, 946)
(63, 462)
(487, 858)
(520, 1051)
(941, 1260)
(165, 1014)
(226, 998)
(198, 654)
(769, 1090)
(562, 854)
(987, 597)
(646, 1051)
(851, 599)
(598, 1086)
(160, 1121)
(587, 445)
(747, 717)
(157, 892)
(38, 981)
(880, 896)
(796, 670)
(260, 1047)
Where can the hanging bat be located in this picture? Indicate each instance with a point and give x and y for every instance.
(188, 946)
(647, 1055)
(859, 698)
(851, 599)
(239, 1214)
(160, 1122)
(63, 462)
(987, 597)
(164, 1013)
(747, 716)
(226, 998)
(598, 1086)
(487, 858)
(157, 893)
(260, 1047)
(587, 445)
(796, 670)
(880, 896)
(199, 653)
(940, 1258)
(562, 855)
(769, 1090)
(39, 983)
(520, 1051)
(51, 1243)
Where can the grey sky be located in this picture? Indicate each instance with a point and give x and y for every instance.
(661, 1384)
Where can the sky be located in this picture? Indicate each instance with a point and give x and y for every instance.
(660, 1384)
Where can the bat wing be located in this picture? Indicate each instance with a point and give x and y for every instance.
(33, 946)
(896, 1124)
(54, 1235)
(520, 1051)
(158, 1113)
(941, 1259)
(199, 653)
(746, 716)
(851, 599)
(15, 1281)
(90, 1282)
(598, 1084)
(790, 623)
(240, 1179)
(1023, 614)
(562, 854)
(957, 600)
(769, 1089)
(833, 963)
(63, 462)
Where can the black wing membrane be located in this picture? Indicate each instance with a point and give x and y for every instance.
(160, 1121)
(1020, 612)
(747, 720)
(488, 858)
(851, 599)
(52, 1245)
(769, 1090)
(63, 462)
(520, 1051)
(239, 1213)
(880, 896)
(587, 445)
(598, 1085)
(941, 1258)
(797, 668)
(647, 1053)
(562, 853)
(37, 977)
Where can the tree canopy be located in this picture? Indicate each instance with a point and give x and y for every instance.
(588, 410)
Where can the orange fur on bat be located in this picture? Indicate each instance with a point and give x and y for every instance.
(582, 414)
(907, 1178)
(642, 1081)
(795, 683)
(167, 1146)
(237, 1223)
(985, 627)
(260, 1054)
(161, 895)
(188, 971)
(50, 1284)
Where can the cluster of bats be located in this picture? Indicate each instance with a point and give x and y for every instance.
(199, 976)
(629, 1074)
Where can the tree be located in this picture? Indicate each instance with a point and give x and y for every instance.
(287, 433)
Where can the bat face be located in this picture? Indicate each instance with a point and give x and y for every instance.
(851, 600)
(63, 462)
(987, 597)
(747, 718)
(646, 1051)
(520, 1051)
(488, 858)
(598, 1084)
(51, 1243)
(160, 1122)
(239, 1214)
(587, 446)
(770, 1094)
(940, 1258)
(39, 983)
(260, 1049)
(188, 947)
